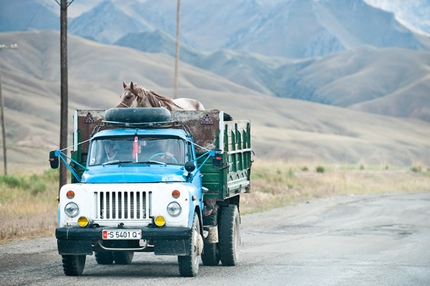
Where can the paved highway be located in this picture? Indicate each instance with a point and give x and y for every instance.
(355, 240)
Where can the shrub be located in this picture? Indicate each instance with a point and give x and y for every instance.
(416, 169)
(14, 182)
(320, 169)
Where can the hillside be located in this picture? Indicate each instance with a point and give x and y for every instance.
(283, 129)
(390, 81)
(342, 53)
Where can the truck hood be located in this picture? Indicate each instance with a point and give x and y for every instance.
(140, 173)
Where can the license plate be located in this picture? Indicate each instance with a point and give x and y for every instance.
(116, 234)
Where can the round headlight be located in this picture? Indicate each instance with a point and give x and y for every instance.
(71, 209)
(174, 209)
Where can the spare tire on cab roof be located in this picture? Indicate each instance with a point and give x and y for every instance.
(138, 114)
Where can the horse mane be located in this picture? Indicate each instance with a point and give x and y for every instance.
(156, 100)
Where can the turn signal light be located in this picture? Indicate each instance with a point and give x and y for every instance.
(70, 194)
(160, 221)
(176, 194)
(83, 221)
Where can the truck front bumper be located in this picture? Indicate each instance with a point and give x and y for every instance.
(82, 241)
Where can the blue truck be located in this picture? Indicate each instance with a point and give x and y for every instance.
(151, 180)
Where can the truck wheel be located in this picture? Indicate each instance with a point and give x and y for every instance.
(123, 257)
(229, 235)
(104, 257)
(73, 265)
(138, 114)
(189, 265)
(210, 255)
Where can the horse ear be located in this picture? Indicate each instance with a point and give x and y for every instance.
(124, 85)
(131, 85)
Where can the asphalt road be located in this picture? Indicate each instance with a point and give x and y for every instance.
(355, 240)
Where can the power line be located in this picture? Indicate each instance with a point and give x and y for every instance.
(31, 20)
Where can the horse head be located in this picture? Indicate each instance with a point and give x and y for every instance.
(132, 96)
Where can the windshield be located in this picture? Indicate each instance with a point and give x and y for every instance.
(134, 149)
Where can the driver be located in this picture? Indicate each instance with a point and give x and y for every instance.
(156, 150)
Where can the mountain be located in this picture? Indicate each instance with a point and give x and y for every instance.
(389, 81)
(251, 58)
(294, 28)
(26, 15)
(413, 14)
(106, 22)
(283, 129)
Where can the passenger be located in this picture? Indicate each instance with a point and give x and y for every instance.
(111, 150)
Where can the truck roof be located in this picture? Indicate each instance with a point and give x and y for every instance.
(142, 131)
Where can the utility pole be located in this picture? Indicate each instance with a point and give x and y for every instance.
(178, 25)
(64, 85)
(3, 128)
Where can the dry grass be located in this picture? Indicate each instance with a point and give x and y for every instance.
(28, 206)
(278, 184)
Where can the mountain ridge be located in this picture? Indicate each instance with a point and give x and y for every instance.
(283, 129)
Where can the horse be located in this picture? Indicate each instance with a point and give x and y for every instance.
(138, 96)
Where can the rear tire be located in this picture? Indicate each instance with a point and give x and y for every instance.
(229, 235)
(73, 265)
(210, 255)
(123, 257)
(104, 258)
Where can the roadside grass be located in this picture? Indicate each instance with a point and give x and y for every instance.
(28, 203)
(277, 184)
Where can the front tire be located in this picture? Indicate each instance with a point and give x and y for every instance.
(73, 265)
(229, 235)
(189, 264)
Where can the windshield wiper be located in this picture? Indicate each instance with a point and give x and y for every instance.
(153, 162)
(113, 162)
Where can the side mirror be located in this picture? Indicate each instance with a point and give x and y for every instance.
(53, 160)
(190, 166)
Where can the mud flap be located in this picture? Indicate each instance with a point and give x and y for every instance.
(171, 247)
(74, 247)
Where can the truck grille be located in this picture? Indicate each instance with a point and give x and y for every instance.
(125, 205)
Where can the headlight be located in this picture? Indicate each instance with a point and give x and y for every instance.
(174, 209)
(71, 209)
